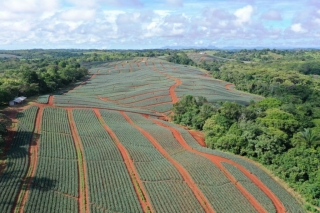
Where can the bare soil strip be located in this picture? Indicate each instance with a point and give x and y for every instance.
(172, 88)
(33, 160)
(196, 191)
(198, 136)
(82, 170)
(217, 161)
(136, 181)
(50, 101)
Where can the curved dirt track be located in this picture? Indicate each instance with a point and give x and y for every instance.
(173, 87)
(192, 185)
(217, 161)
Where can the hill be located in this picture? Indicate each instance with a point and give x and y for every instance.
(104, 146)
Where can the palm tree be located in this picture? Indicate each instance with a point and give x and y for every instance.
(309, 137)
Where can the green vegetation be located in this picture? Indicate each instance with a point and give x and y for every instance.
(106, 169)
(37, 76)
(192, 112)
(17, 160)
(281, 131)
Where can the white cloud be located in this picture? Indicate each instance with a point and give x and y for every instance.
(244, 14)
(29, 6)
(297, 28)
(78, 15)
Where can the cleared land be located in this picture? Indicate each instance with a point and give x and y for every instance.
(101, 147)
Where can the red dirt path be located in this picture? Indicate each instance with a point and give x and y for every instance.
(33, 158)
(172, 88)
(192, 185)
(83, 199)
(129, 165)
(199, 136)
(50, 101)
(217, 161)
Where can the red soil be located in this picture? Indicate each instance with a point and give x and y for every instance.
(129, 165)
(33, 159)
(228, 86)
(196, 191)
(50, 102)
(83, 199)
(217, 161)
(171, 90)
(199, 136)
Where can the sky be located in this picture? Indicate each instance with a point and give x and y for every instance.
(146, 24)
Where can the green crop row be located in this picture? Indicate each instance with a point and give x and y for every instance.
(57, 145)
(254, 190)
(161, 108)
(153, 168)
(43, 99)
(155, 100)
(55, 185)
(17, 160)
(110, 186)
(41, 200)
(204, 173)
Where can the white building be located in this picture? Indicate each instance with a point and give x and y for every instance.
(17, 100)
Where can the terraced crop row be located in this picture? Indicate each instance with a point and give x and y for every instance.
(205, 174)
(110, 186)
(17, 160)
(160, 176)
(43, 99)
(56, 177)
(153, 101)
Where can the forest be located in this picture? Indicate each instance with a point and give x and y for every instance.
(281, 131)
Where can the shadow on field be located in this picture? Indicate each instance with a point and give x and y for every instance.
(43, 184)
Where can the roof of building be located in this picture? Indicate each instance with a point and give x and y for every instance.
(19, 99)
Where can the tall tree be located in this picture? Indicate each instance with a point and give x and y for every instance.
(310, 138)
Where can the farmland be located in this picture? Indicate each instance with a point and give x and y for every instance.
(105, 145)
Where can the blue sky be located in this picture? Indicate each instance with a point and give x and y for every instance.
(142, 24)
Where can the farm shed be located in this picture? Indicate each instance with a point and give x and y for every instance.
(17, 100)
